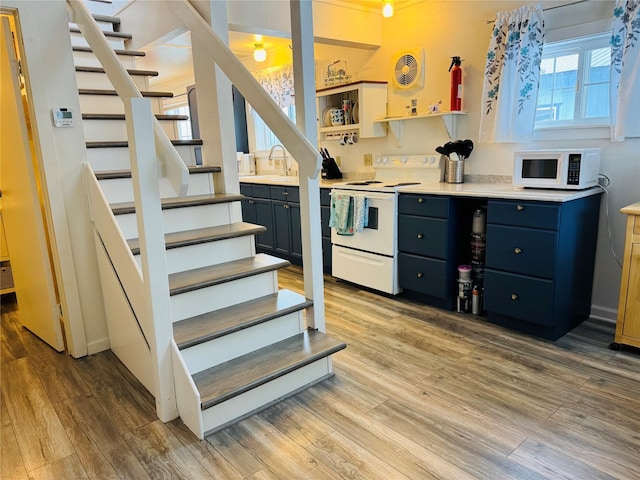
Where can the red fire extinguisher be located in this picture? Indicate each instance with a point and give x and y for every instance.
(456, 84)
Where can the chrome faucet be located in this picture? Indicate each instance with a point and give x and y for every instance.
(285, 167)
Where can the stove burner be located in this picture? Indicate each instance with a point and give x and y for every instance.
(364, 182)
(403, 184)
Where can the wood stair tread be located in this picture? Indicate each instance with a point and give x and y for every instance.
(130, 53)
(100, 91)
(112, 174)
(130, 71)
(125, 36)
(125, 144)
(189, 280)
(121, 117)
(202, 235)
(180, 202)
(208, 326)
(237, 376)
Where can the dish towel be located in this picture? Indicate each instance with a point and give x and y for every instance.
(360, 212)
(341, 217)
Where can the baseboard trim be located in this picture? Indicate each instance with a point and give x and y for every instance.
(98, 346)
(604, 313)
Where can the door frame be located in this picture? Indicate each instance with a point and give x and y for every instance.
(55, 220)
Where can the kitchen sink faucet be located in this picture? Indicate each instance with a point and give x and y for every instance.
(285, 167)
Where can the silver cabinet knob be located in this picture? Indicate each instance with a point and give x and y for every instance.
(420, 236)
(514, 296)
(520, 208)
(421, 200)
(517, 250)
(420, 275)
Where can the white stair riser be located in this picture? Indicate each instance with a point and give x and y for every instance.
(104, 26)
(197, 302)
(78, 40)
(101, 81)
(223, 349)
(209, 253)
(88, 59)
(179, 219)
(116, 130)
(111, 104)
(102, 159)
(118, 190)
(265, 395)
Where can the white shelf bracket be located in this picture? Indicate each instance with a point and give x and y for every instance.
(450, 124)
(397, 128)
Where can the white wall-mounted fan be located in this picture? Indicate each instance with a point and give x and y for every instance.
(408, 69)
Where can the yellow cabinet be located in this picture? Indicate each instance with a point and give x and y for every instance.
(628, 325)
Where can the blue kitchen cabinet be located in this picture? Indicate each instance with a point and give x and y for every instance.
(539, 264)
(256, 209)
(286, 223)
(427, 246)
(277, 208)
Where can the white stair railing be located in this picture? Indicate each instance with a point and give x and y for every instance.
(305, 153)
(176, 171)
(147, 142)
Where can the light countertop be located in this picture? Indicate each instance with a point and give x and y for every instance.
(501, 190)
(485, 190)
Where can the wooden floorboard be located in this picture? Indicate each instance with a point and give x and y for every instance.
(419, 393)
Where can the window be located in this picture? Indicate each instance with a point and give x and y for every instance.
(183, 127)
(264, 137)
(574, 83)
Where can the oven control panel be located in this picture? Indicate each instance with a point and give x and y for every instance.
(423, 168)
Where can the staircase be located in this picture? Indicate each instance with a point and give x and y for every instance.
(239, 342)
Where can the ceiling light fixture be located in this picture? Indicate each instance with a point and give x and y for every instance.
(259, 54)
(387, 8)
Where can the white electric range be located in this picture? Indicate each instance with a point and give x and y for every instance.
(370, 258)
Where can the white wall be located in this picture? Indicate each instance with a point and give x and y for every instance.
(449, 28)
(51, 83)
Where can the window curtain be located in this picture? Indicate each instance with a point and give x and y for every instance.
(512, 75)
(278, 82)
(625, 70)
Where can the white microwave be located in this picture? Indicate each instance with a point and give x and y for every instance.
(569, 169)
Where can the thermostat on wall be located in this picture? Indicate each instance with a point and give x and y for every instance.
(63, 117)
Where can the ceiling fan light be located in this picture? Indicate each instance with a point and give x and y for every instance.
(259, 53)
(387, 8)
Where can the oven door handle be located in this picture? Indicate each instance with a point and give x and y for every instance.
(370, 195)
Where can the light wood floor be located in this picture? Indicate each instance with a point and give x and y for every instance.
(418, 394)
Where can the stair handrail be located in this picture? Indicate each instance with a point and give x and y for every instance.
(174, 168)
(299, 146)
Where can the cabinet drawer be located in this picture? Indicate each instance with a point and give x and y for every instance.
(261, 191)
(517, 296)
(424, 205)
(246, 190)
(423, 236)
(424, 275)
(521, 250)
(523, 214)
(290, 194)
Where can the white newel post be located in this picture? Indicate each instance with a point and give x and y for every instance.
(305, 91)
(144, 172)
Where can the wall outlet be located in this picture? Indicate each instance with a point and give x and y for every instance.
(368, 159)
(338, 162)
